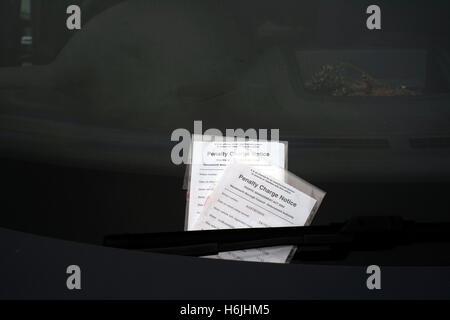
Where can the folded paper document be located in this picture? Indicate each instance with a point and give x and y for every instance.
(210, 155)
(244, 184)
(247, 198)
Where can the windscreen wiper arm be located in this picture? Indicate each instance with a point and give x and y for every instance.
(359, 233)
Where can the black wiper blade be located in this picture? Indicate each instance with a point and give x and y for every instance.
(359, 233)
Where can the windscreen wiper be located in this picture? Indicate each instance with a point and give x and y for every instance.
(335, 240)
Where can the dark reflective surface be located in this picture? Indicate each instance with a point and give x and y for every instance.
(85, 130)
